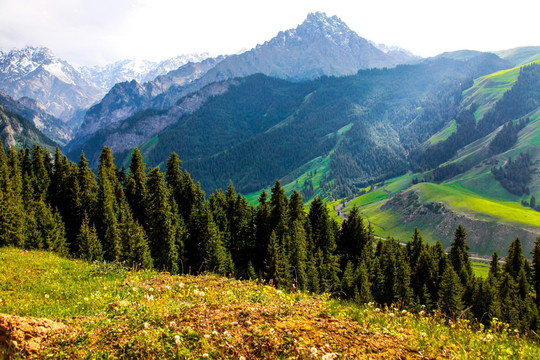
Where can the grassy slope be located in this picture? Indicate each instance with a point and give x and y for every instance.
(521, 55)
(114, 313)
(475, 193)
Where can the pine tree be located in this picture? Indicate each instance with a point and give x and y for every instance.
(279, 210)
(276, 265)
(133, 239)
(494, 268)
(135, 189)
(459, 255)
(162, 232)
(514, 260)
(89, 246)
(298, 253)
(536, 269)
(450, 293)
(262, 232)
(106, 217)
(414, 248)
(353, 238)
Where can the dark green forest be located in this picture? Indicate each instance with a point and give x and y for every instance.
(145, 218)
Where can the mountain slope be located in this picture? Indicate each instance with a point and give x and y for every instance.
(35, 72)
(127, 98)
(18, 132)
(262, 129)
(319, 46)
(470, 194)
(30, 109)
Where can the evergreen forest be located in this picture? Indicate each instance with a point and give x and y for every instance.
(146, 218)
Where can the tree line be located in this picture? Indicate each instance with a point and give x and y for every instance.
(163, 220)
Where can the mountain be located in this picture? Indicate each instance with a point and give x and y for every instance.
(32, 110)
(36, 73)
(127, 98)
(319, 46)
(18, 132)
(106, 76)
(520, 55)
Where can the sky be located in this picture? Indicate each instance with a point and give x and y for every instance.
(96, 32)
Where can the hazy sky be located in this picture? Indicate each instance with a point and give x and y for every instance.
(87, 32)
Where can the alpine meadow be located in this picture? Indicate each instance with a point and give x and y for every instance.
(317, 196)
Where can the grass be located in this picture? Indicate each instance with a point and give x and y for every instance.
(444, 133)
(111, 312)
(480, 268)
(464, 200)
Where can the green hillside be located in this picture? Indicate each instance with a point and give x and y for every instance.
(470, 193)
(521, 55)
(52, 307)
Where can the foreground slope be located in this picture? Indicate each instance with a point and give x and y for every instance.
(53, 307)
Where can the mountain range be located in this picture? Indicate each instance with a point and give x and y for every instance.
(330, 114)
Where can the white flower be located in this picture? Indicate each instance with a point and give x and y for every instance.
(329, 356)
(391, 314)
(242, 357)
(177, 339)
(146, 325)
(201, 293)
(313, 351)
(134, 289)
(278, 292)
(167, 287)
(205, 355)
(46, 296)
(404, 312)
(196, 292)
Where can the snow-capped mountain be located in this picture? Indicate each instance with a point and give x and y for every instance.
(106, 76)
(321, 45)
(36, 73)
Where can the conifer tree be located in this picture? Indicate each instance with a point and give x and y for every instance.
(135, 188)
(133, 239)
(459, 255)
(279, 210)
(514, 260)
(106, 217)
(353, 238)
(414, 248)
(262, 232)
(162, 233)
(494, 267)
(11, 207)
(298, 253)
(89, 245)
(536, 269)
(276, 265)
(450, 293)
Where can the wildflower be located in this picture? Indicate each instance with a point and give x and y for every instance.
(177, 339)
(146, 325)
(272, 331)
(151, 289)
(278, 292)
(516, 331)
(242, 357)
(46, 296)
(330, 356)
(313, 351)
(488, 337)
(205, 355)
(422, 313)
(226, 334)
(391, 314)
(196, 292)
(167, 287)
(377, 310)
(172, 324)
(423, 334)
(181, 285)
(134, 289)
(403, 312)
(86, 299)
(148, 297)
(201, 293)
